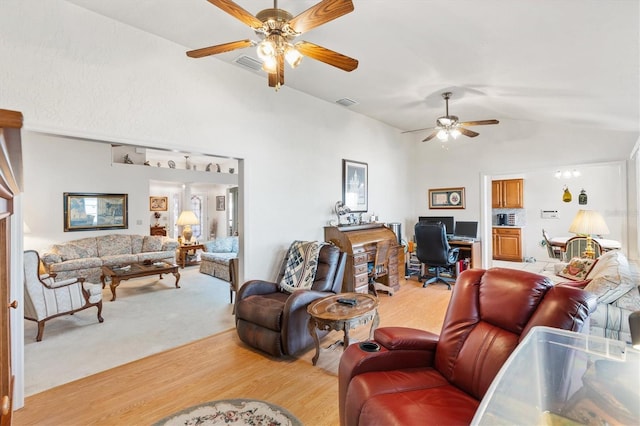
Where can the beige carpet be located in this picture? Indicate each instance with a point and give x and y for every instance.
(148, 316)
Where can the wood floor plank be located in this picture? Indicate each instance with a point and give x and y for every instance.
(220, 367)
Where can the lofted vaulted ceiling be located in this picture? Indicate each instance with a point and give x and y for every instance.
(570, 62)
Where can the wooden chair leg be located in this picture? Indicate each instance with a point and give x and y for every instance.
(40, 331)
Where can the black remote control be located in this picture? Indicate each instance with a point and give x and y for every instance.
(345, 301)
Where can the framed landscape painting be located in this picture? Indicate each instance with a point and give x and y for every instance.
(446, 198)
(94, 212)
(355, 185)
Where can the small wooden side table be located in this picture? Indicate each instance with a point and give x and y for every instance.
(184, 249)
(328, 314)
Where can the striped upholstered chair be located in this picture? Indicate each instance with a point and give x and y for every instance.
(45, 298)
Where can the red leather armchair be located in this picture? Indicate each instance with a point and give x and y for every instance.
(276, 322)
(418, 377)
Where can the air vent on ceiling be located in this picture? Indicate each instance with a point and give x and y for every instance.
(346, 102)
(249, 62)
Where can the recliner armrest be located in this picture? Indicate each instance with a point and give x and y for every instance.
(253, 287)
(394, 338)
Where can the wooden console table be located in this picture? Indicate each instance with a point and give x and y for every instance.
(359, 242)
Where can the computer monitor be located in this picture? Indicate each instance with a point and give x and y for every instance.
(466, 229)
(447, 221)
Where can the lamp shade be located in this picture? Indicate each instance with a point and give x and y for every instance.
(588, 222)
(187, 217)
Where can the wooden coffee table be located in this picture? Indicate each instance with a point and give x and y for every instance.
(328, 314)
(136, 270)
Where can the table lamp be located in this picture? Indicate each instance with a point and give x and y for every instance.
(186, 219)
(588, 223)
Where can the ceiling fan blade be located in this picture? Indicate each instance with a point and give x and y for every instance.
(478, 122)
(431, 136)
(220, 48)
(321, 13)
(237, 12)
(327, 56)
(468, 132)
(417, 130)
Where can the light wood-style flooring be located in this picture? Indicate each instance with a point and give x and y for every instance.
(221, 367)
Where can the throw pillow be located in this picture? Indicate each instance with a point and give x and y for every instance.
(301, 266)
(151, 243)
(577, 269)
(611, 277)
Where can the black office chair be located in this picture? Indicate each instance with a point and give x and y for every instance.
(434, 251)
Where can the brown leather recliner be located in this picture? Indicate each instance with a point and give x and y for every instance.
(276, 322)
(418, 377)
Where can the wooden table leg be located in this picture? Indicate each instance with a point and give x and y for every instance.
(177, 275)
(311, 326)
(374, 324)
(346, 336)
(115, 282)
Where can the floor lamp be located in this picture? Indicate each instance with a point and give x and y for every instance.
(588, 223)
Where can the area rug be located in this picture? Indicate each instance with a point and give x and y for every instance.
(232, 412)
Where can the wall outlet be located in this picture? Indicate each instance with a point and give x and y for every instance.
(139, 222)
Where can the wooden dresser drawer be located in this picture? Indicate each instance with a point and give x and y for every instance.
(361, 280)
(361, 269)
(360, 258)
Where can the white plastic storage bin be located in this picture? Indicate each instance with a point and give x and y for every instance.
(558, 377)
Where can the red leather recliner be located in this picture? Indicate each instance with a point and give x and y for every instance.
(418, 377)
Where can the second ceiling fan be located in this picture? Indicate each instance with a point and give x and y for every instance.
(448, 125)
(278, 28)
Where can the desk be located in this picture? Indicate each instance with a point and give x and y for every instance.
(471, 250)
(605, 244)
(359, 242)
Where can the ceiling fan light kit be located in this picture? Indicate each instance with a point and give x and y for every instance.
(278, 29)
(449, 125)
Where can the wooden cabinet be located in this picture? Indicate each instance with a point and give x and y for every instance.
(359, 242)
(507, 194)
(160, 231)
(507, 244)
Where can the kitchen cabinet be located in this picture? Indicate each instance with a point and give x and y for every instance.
(507, 194)
(507, 244)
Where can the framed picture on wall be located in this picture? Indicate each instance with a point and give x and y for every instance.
(355, 185)
(94, 212)
(220, 203)
(446, 198)
(158, 204)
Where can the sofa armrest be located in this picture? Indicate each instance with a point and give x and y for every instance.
(169, 245)
(49, 258)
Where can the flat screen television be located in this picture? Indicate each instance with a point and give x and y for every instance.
(466, 229)
(447, 221)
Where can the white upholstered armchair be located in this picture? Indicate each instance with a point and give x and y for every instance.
(46, 298)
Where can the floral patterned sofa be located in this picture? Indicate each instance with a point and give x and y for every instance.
(85, 257)
(216, 257)
(614, 283)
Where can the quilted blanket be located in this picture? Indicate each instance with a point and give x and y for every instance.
(301, 265)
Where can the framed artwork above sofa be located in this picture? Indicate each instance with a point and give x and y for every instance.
(92, 211)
